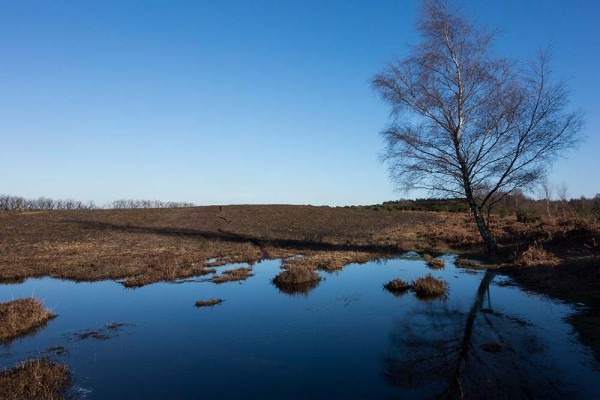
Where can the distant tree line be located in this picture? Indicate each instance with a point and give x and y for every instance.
(526, 209)
(18, 203)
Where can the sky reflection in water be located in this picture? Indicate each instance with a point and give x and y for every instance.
(344, 338)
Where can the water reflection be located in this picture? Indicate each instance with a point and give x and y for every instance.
(328, 340)
(478, 353)
(298, 289)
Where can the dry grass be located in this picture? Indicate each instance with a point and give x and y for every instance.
(330, 260)
(466, 263)
(296, 275)
(436, 263)
(536, 255)
(150, 245)
(34, 380)
(232, 275)
(146, 246)
(297, 279)
(430, 287)
(397, 286)
(208, 303)
(21, 316)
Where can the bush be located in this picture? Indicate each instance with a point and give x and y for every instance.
(526, 217)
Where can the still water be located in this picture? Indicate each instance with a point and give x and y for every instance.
(345, 339)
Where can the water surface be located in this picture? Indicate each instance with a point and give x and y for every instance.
(345, 339)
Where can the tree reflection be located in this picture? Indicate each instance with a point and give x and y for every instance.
(447, 353)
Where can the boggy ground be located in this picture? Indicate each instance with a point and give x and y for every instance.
(560, 257)
(148, 245)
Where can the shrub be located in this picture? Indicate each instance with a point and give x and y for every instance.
(526, 217)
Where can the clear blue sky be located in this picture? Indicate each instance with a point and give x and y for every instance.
(238, 102)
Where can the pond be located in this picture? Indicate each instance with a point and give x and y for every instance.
(346, 338)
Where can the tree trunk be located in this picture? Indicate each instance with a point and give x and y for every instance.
(488, 238)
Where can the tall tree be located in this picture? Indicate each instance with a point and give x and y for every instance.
(467, 123)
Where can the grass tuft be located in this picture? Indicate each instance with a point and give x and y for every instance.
(465, 263)
(208, 303)
(430, 287)
(297, 279)
(21, 316)
(436, 263)
(397, 286)
(34, 379)
(536, 255)
(232, 275)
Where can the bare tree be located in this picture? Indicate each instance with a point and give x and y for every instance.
(467, 123)
(562, 191)
(547, 191)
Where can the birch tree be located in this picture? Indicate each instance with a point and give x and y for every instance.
(468, 123)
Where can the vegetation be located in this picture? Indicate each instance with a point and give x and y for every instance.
(329, 260)
(21, 316)
(296, 276)
(397, 286)
(232, 275)
(430, 287)
(208, 303)
(18, 203)
(467, 123)
(35, 379)
(463, 262)
(436, 263)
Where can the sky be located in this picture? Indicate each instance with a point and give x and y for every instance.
(239, 102)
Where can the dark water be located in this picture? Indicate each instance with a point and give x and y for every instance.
(345, 339)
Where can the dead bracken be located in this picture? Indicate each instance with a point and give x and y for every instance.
(397, 286)
(232, 275)
(208, 303)
(21, 316)
(536, 255)
(430, 287)
(34, 379)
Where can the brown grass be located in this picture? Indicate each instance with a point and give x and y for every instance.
(436, 263)
(150, 245)
(330, 260)
(146, 246)
(232, 275)
(536, 255)
(430, 287)
(297, 279)
(33, 380)
(208, 303)
(22, 316)
(466, 263)
(296, 275)
(397, 286)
